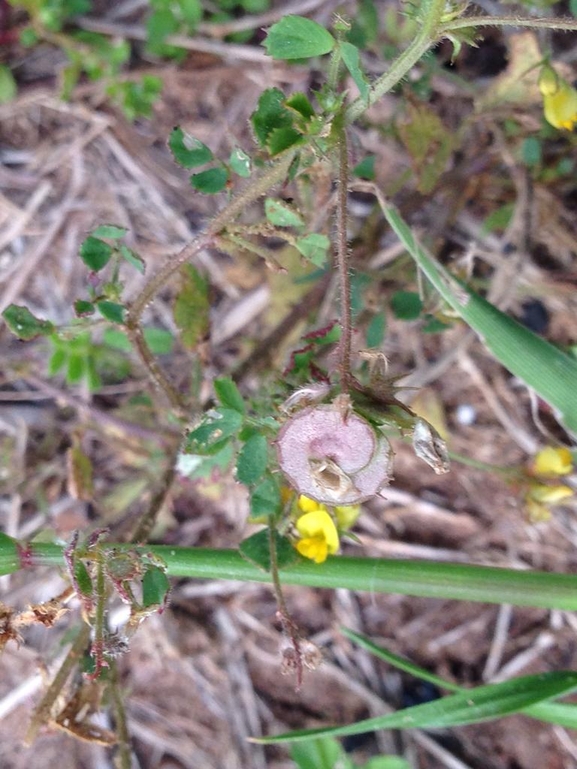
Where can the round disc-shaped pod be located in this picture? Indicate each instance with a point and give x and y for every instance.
(333, 457)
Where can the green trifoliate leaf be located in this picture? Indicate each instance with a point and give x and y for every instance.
(188, 151)
(265, 500)
(281, 139)
(82, 577)
(214, 432)
(228, 394)
(295, 37)
(155, 587)
(159, 340)
(314, 248)
(240, 162)
(95, 253)
(110, 231)
(111, 311)
(352, 60)
(252, 460)
(366, 168)
(82, 308)
(24, 324)
(132, 258)
(300, 104)
(57, 361)
(211, 181)
(256, 549)
(270, 115)
(76, 368)
(406, 305)
(281, 214)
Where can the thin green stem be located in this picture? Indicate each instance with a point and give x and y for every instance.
(507, 21)
(432, 12)
(99, 619)
(478, 465)
(333, 69)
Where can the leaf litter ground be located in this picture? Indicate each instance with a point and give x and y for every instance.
(203, 677)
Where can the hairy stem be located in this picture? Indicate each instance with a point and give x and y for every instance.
(432, 12)
(342, 252)
(507, 21)
(136, 336)
(274, 174)
(288, 625)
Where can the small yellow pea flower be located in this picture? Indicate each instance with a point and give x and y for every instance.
(551, 462)
(319, 535)
(559, 99)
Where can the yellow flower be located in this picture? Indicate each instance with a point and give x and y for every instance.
(559, 99)
(319, 535)
(550, 462)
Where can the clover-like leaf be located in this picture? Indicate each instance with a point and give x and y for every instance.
(95, 253)
(295, 37)
(24, 324)
(188, 151)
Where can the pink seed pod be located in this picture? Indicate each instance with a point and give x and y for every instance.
(334, 457)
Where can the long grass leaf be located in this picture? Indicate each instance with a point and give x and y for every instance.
(560, 713)
(484, 703)
(464, 582)
(547, 370)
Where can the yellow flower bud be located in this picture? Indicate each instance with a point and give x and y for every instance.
(548, 80)
(347, 516)
(559, 99)
(540, 492)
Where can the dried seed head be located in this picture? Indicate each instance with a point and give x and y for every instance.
(334, 458)
(430, 447)
(306, 396)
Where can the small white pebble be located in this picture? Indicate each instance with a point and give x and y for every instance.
(465, 414)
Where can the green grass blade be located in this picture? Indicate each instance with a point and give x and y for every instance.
(465, 582)
(399, 662)
(560, 713)
(484, 703)
(543, 367)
